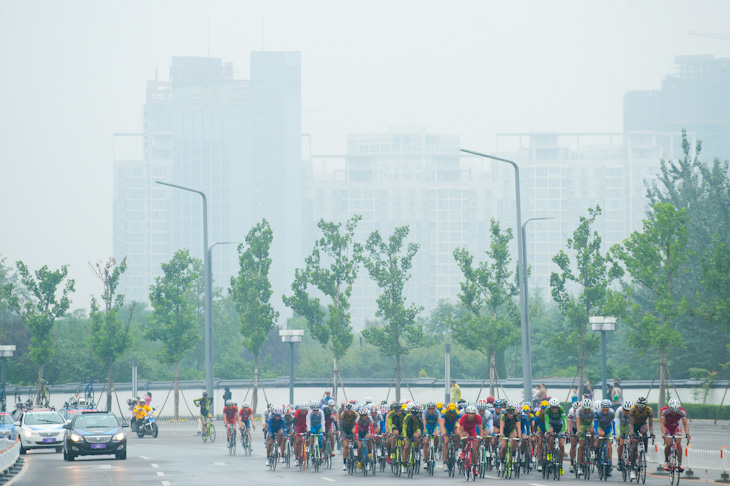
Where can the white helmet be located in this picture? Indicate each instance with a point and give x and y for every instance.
(368, 400)
(471, 409)
(229, 402)
(627, 404)
(576, 405)
(245, 405)
(587, 403)
(554, 402)
(674, 405)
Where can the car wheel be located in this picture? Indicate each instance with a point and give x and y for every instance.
(23, 450)
(59, 449)
(122, 455)
(69, 456)
(65, 455)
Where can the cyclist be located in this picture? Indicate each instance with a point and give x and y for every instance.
(623, 413)
(363, 429)
(603, 426)
(556, 422)
(572, 425)
(508, 430)
(329, 420)
(470, 426)
(230, 413)
(669, 418)
(485, 413)
(347, 423)
(315, 425)
(244, 420)
(431, 419)
(413, 427)
(394, 427)
(378, 422)
(526, 424)
(449, 421)
(276, 428)
(642, 420)
(300, 424)
(205, 404)
(584, 418)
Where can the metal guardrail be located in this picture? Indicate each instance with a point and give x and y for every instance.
(9, 454)
(697, 459)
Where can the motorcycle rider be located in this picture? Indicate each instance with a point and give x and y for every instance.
(140, 412)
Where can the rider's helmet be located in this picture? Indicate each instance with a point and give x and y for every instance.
(451, 407)
(471, 409)
(393, 406)
(331, 403)
(245, 405)
(410, 406)
(674, 405)
(525, 407)
(315, 407)
(498, 403)
(545, 404)
(275, 411)
(587, 403)
(641, 403)
(489, 406)
(363, 411)
(348, 406)
(490, 399)
(439, 405)
(368, 400)
(288, 411)
(229, 403)
(404, 406)
(481, 405)
(576, 405)
(431, 404)
(373, 408)
(627, 404)
(205, 394)
(509, 408)
(596, 405)
(554, 402)
(605, 403)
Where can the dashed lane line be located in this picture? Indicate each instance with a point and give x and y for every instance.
(160, 474)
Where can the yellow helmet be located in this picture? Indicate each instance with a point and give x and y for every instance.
(405, 405)
(452, 406)
(544, 404)
(439, 405)
(526, 407)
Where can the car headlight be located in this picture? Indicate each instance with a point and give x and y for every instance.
(119, 437)
(28, 433)
(76, 438)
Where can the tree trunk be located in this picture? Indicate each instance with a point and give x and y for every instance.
(109, 388)
(662, 379)
(397, 378)
(492, 367)
(39, 387)
(334, 379)
(176, 395)
(255, 396)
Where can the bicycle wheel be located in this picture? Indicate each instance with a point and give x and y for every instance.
(517, 462)
(315, 454)
(212, 433)
(274, 456)
(643, 467)
(624, 461)
(204, 435)
(327, 454)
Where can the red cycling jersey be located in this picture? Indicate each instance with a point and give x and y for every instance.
(229, 414)
(672, 419)
(300, 418)
(364, 428)
(244, 414)
(470, 426)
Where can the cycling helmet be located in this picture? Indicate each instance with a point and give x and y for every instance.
(674, 405)
(641, 402)
(411, 407)
(325, 408)
(627, 404)
(245, 405)
(525, 408)
(439, 405)
(315, 407)
(368, 400)
(205, 394)
(363, 411)
(554, 402)
(289, 411)
(451, 406)
(587, 403)
(499, 403)
(331, 403)
(229, 403)
(605, 403)
(490, 399)
(404, 406)
(275, 411)
(393, 406)
(430, 404)
(576, 405)
(471, 409)
(596, 405)
(489, 406)
(509, 408)
(546, 404)
(384, 409)
(481, 405)
(373, 408)
(419, 407)
(348, 406)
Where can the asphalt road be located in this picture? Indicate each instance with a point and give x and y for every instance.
(179, 457)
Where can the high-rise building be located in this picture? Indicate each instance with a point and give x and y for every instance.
(238, 141)
(695, 98)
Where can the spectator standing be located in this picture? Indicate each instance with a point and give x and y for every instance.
(616, 394)
(588, 391)
(148, 398)
(535, 395)
(573, 397)
(455, 391)
(542, 395)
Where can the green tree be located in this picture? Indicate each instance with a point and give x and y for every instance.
(38, 307)
(593, 275)
(173, 320)
(390, 266)
(493, 321)
(109, 337)
(251, 291)
(716, 280)
(331, 328)
(654, 258)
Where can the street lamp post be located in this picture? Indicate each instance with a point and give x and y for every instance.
(526, 358)
(5, 352)
(603, 324)
(208, 291)
(524, 253)
(291, 336)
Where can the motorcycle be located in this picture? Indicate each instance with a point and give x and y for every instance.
(148, 425)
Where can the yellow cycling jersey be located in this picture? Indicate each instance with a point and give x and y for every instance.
(641, 416)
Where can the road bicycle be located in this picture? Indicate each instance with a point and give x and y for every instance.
(209, 430)
(381, 451)
(551, 464)
(640, 460)
(674, 462)
(451, 455)
(315, 451)
(584, 466)
(507, 465)
(431, 463)
(603, 460)
(232, 441)
(413, 461)
(471, 459)
(624, 462)
(274, 456)
(396, 461)
(246, 442)
(367, 461)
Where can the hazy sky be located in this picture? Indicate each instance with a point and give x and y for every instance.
(73, 73)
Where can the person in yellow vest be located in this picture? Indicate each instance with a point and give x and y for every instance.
(455, 391)
(140, 411)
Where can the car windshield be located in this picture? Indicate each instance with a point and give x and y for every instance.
(43, 418)
(6, 418)
(96, 421)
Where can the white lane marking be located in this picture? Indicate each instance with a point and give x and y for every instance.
(165, 483)
(154, 465)
(94, 466)
(329, 479)
(490, 477)
(537, 484)
(144, 457)
(160, 473)
(220, 464)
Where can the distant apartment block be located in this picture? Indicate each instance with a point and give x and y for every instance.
(238, 141)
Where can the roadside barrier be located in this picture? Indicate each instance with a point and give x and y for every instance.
(696, 460)
(10, 460)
